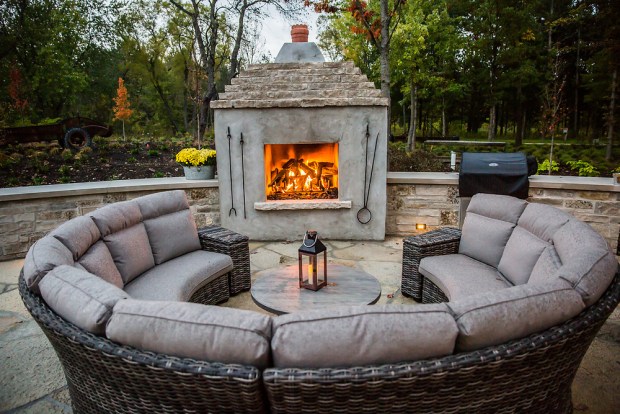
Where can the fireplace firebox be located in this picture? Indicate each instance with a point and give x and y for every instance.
(301, 171)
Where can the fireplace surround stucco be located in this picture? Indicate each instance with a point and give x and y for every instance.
(302, 102)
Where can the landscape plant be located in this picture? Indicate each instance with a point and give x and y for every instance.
(122, 111)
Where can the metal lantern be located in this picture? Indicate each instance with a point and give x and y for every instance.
(310, 268)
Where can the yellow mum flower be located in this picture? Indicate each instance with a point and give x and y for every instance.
(193, 157)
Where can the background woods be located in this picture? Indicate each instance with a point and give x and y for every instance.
(496, 69)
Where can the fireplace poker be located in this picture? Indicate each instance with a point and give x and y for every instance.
(232, 198)
(364, 215)
(242, 175)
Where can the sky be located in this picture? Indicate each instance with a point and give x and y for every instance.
(277, 30)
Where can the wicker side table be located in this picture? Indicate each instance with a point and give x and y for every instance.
(220, 240)
(436, 242)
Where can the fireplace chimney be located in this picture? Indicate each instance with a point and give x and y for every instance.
(300, 50)
(299, 33)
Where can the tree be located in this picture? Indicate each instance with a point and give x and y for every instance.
(121, 109)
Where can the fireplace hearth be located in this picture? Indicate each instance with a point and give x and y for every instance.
(305, 126)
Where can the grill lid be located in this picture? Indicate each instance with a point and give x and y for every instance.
(494, 173)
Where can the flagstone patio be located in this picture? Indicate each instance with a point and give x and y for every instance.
(31, 378)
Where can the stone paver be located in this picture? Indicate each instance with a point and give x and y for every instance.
(31, 378)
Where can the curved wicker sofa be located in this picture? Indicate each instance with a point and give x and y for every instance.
(529, 374)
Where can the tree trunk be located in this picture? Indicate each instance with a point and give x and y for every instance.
(492, 122)
(444, 126)
(610, 119)
(234, 57)
(575, 132)
(414, 118)
(123, 122)
(384, 59)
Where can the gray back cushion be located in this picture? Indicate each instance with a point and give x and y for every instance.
(587, 260)
(484, 238)
(542, 220)
(500, 316)
(116, 217)
(193, 330)
(80, 297)
(169, 224)
(499, 207)
(43, 256)
(159, 204)
(131, 251)
(362, 335)
(546, 267)
(488, 226)
(98, 260)
(125, 236)
(520, 255)
(78, 235)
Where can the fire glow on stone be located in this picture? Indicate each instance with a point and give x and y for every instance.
(301, 171)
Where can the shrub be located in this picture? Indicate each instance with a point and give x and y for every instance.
(543, 168)
(66, 154)
(584, 168)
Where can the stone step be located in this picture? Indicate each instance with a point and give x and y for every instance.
(304, 94)
(297, 103)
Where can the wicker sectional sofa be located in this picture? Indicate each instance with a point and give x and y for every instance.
(129, 341)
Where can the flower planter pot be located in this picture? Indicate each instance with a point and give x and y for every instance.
(203, 172)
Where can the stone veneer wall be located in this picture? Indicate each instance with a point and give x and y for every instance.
(27, 213)
(432, 198)
(26, 216)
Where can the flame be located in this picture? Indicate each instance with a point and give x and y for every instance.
(303, 171)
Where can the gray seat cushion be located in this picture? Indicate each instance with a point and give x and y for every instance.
(80, 297)
(362, 335)
(587, 260)
(497, 317)
(43, 256)
(177, 279)
(460, 276)
(193, 330)
(169, 224)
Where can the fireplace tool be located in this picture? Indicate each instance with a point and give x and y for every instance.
(232, 198)
(364, 215)
(242, 175)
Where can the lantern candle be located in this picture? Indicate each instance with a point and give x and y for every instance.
(310, 273)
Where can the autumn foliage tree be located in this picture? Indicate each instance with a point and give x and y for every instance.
(121, 109)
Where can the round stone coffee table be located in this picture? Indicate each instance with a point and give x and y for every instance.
(277, 290)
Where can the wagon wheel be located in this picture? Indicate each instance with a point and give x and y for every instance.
(77, 138)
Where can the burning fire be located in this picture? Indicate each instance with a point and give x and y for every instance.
(301, 171)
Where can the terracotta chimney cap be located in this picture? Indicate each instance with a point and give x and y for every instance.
(299, 33)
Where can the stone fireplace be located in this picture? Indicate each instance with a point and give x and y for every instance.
(295, 146)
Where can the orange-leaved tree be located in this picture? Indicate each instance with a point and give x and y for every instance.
(121, 109)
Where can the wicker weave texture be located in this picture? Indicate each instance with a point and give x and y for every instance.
(220, 240)
(532, 374)
(105, 377)
(431, 293)
(436, 242)
(212, 293)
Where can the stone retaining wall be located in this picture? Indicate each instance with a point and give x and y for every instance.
(27, 213)
(24, 221)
